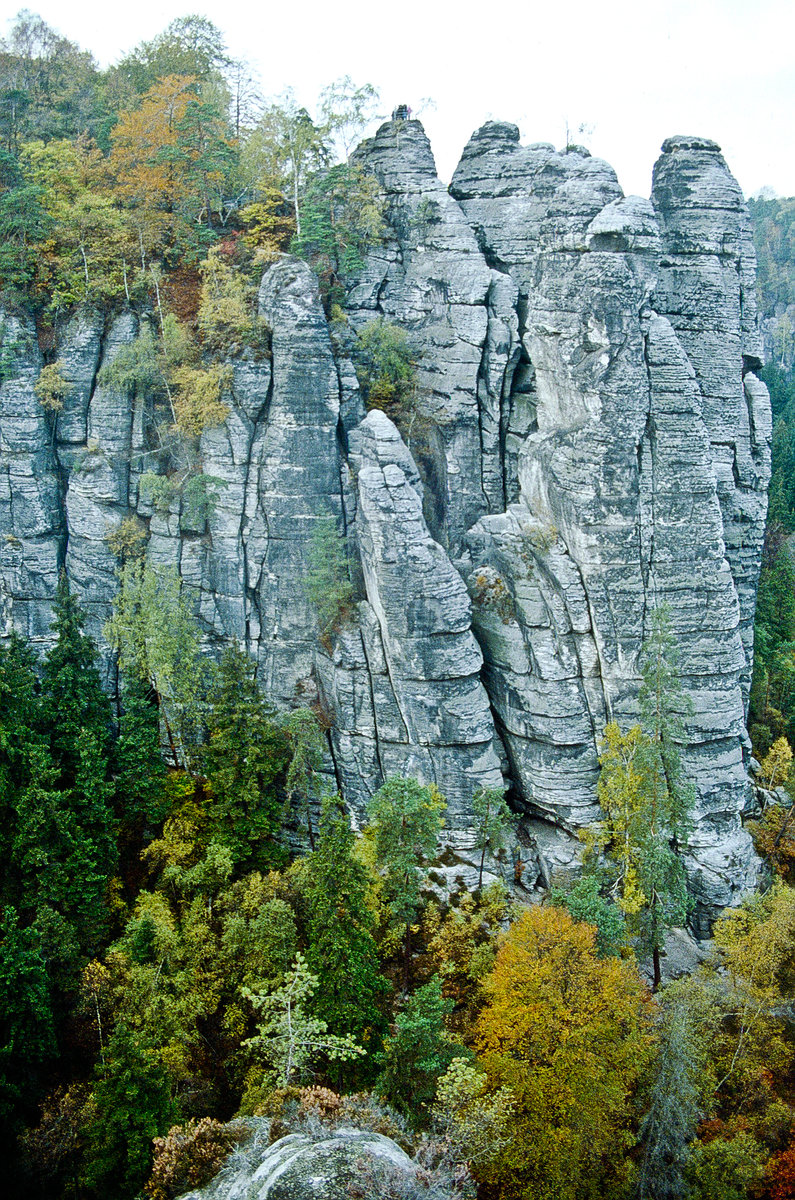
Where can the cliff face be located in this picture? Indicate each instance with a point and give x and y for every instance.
(589, 440)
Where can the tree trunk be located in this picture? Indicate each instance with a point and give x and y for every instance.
(407, 957)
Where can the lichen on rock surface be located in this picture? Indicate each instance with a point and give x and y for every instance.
(300, 1167)
(587, 438)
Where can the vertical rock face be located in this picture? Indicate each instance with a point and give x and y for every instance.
(31, 515)
(431, 278)
(588, 440)
(623, 500)
(707, 288)
(405, 688)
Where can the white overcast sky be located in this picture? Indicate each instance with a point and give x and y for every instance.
(633, 72)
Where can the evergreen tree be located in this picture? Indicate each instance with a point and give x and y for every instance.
(671, 1120)
(307, 746)
(72, 695)
(244, 761)
(419, 1051)
(139, 770)
(20, 737)
(132, 1105)
(342, 951)
(26, 1022)
(405, 819)
(584, 902)
(288, 1038)
(648, 801)
(663, 707)
(64, 853)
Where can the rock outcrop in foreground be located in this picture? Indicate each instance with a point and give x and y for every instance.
(590, 440)
(298, 1167)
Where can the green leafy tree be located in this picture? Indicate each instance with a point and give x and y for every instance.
(157, 639)
(48, 84)
(584, 902)
(345, 111)
(475, 1123)
(647, 800)
(342, 219)
(419, 1051)
(328, 586)
(386, 365)
(342, 950)
(570, 1034)
(227, 315)
(284, 148)
(86, 255)
(405, 818)
(190, 45)
(24, 224)
(728, 1169)
(170, 155)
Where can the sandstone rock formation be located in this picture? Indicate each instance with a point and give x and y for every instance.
(589, 439)
(298, 1167)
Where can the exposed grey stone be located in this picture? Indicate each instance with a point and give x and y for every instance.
(78, 350)
(706, 287)
(406, 695)
(31, 515)
(618, 506)
(589, 439)
(431, 278)
(299, 1167)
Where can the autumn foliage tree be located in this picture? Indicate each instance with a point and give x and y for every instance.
(569, 1033)
(169, 156)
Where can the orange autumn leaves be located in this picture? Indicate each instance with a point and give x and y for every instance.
(570, 1034)
(168, 156)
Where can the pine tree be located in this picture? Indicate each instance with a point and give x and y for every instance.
(72, 695)
(663, 707)
(405, 818)
(342, 950)
(26, 1022)
(64, 854)
(132, 1105)
(419, 1051)
(20, 736)
(671, 1120)
(139, 770)
(244, 761)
